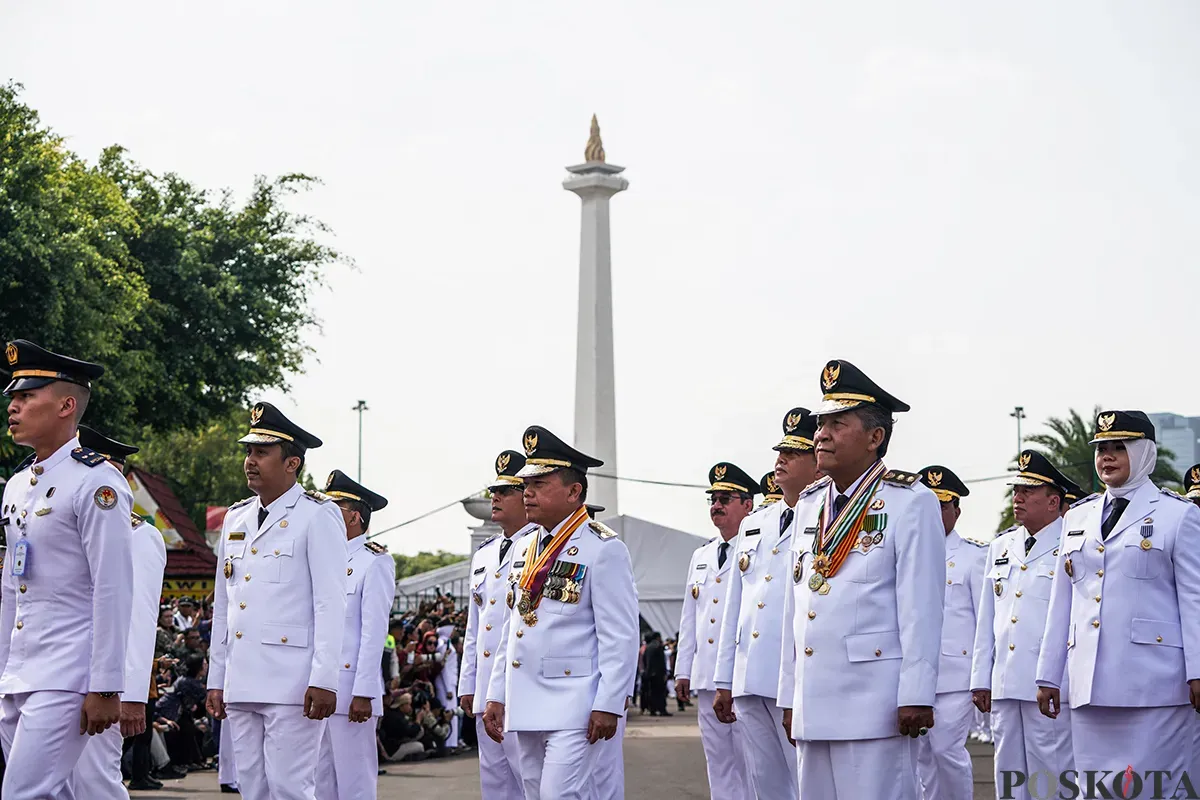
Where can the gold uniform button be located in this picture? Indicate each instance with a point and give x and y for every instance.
(1158, 638)
(951, 564)
(20, 624)
(1051, 573)
(948, 581)
(1012, 647)
(1024, 567)
(33, 481)
(774, 551)
(808, 651)
(283, 524)
(497, 574)
(1019, 593)
(1096, 598)
(712, 619)
(762, 604)
(283, 639)
(242, 605)
(254, 551)
(878, 653)
(718, 579)
(812, 615)
(516, 665)
(767, 579)
(714, 599)
(492, 602)
(349, 570)
(23, 587)
(566, 672)
(710, 641)
(1095, 623)
(238, 634)
(520, 633)
(39, 469)
(247, 576)
(347, 665)
(487, 653)
(1014, 619)
(754, 634)
(487, 627)
(276, 551)
(964, 652)
(1099, 573)
(1100, 549)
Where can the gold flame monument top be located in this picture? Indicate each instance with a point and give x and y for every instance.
(595, 148)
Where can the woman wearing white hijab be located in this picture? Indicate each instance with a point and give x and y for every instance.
(1124, 616)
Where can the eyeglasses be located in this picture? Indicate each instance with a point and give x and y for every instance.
(505, 491)
(725, 499)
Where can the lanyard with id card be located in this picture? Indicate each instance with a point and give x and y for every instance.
(19, 556)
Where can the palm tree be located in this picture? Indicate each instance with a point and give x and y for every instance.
(1066, 445)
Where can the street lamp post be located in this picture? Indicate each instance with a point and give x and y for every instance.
(360, 408)
(1019, 414)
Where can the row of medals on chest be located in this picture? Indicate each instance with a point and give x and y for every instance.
(556, 587)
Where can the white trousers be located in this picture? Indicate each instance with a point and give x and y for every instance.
(276, 748)
(1028, 742)
(226, 763)
(878, 769)
(608, 773)
(349, 765)
(1159, 738)
(556, 765)
(728, 771)
(769, 755)
(452, 737)
(499, 765)
(97, 774)
(943, 763)
(42, 743)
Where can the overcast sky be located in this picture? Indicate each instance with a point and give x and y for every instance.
(980, 205)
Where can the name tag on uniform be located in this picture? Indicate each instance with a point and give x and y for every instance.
(20, 557)
(701, 566)
(1001, 561)
(237, 536)
(520, 563)
(1074, 533)
(754, 532)
(810, 531)
(481, 569)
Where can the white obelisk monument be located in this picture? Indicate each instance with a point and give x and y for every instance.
(595, 181)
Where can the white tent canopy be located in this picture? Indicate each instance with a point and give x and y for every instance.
(660, 558)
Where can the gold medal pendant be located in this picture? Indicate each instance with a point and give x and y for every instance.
(1000, 589)
(509, 599)
(816, 581)
(525, 605)
(1146, 545)
(530, 619)
(798, 572)
(744, 562)
(229, 568)
(1068, 568)
(695, 591)
(822, 563)
(824, 588)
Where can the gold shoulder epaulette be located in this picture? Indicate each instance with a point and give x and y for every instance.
(899, 478)
(815, 485)
(602, 530)
(135, 520)
(975, 541)
(316, 496)
(241, 503)
(376, 548)
(1171, 494)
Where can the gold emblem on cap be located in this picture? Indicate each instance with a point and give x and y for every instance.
(530, 443)
(10, 353)
(772, 486)
(1195, 474)
(256, 414)
(502, 462)
(1023, 461)
(1106, 421)
(830, 376)
(329, 481)
(934, 478)
(719, 472)
(792, 421)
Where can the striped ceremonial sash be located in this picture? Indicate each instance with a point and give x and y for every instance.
(536, 570)
(838, 536)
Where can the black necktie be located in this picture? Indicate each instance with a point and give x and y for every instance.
(838, 504)
(262, 515)
(1118, 508)
(785, 520)
(721, 553)
(507, 543)
(1030, 541)
(545, 542)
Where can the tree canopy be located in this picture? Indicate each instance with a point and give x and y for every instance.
(424, 562)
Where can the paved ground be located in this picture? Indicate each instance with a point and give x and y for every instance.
(663, 759)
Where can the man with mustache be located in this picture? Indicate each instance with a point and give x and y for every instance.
(712, 569)
(863, 620)
(66, 594)
(496, 558)
(747, 676)
(278, 615)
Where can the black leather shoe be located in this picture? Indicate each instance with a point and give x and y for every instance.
(227, 789)
(148, 785)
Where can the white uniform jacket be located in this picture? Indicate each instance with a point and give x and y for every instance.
(485, 616)
(964, 581)
(149, 564)
(700, 622)
(64, 625)
(852, 657)
(280, 600)
(578, 657)
(370, 590)
(1012, 612)
(1124, 619)
(752, 630)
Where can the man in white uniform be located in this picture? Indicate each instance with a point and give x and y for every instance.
(278, 615)
(568, 651)
(752, 632)
(66, 595)
(1019, 572)
(496, 558)
(711, 572)
(1124, 618)
(942, 758)
(863, 620)
(98, 771)
(349, 765)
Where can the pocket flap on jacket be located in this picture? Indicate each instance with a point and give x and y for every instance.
(280, 548)
(1152, 631)
(287, 635)
(873, 646)
(566, 666)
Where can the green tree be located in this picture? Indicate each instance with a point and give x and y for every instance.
(1067, 445)
(423, 562)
